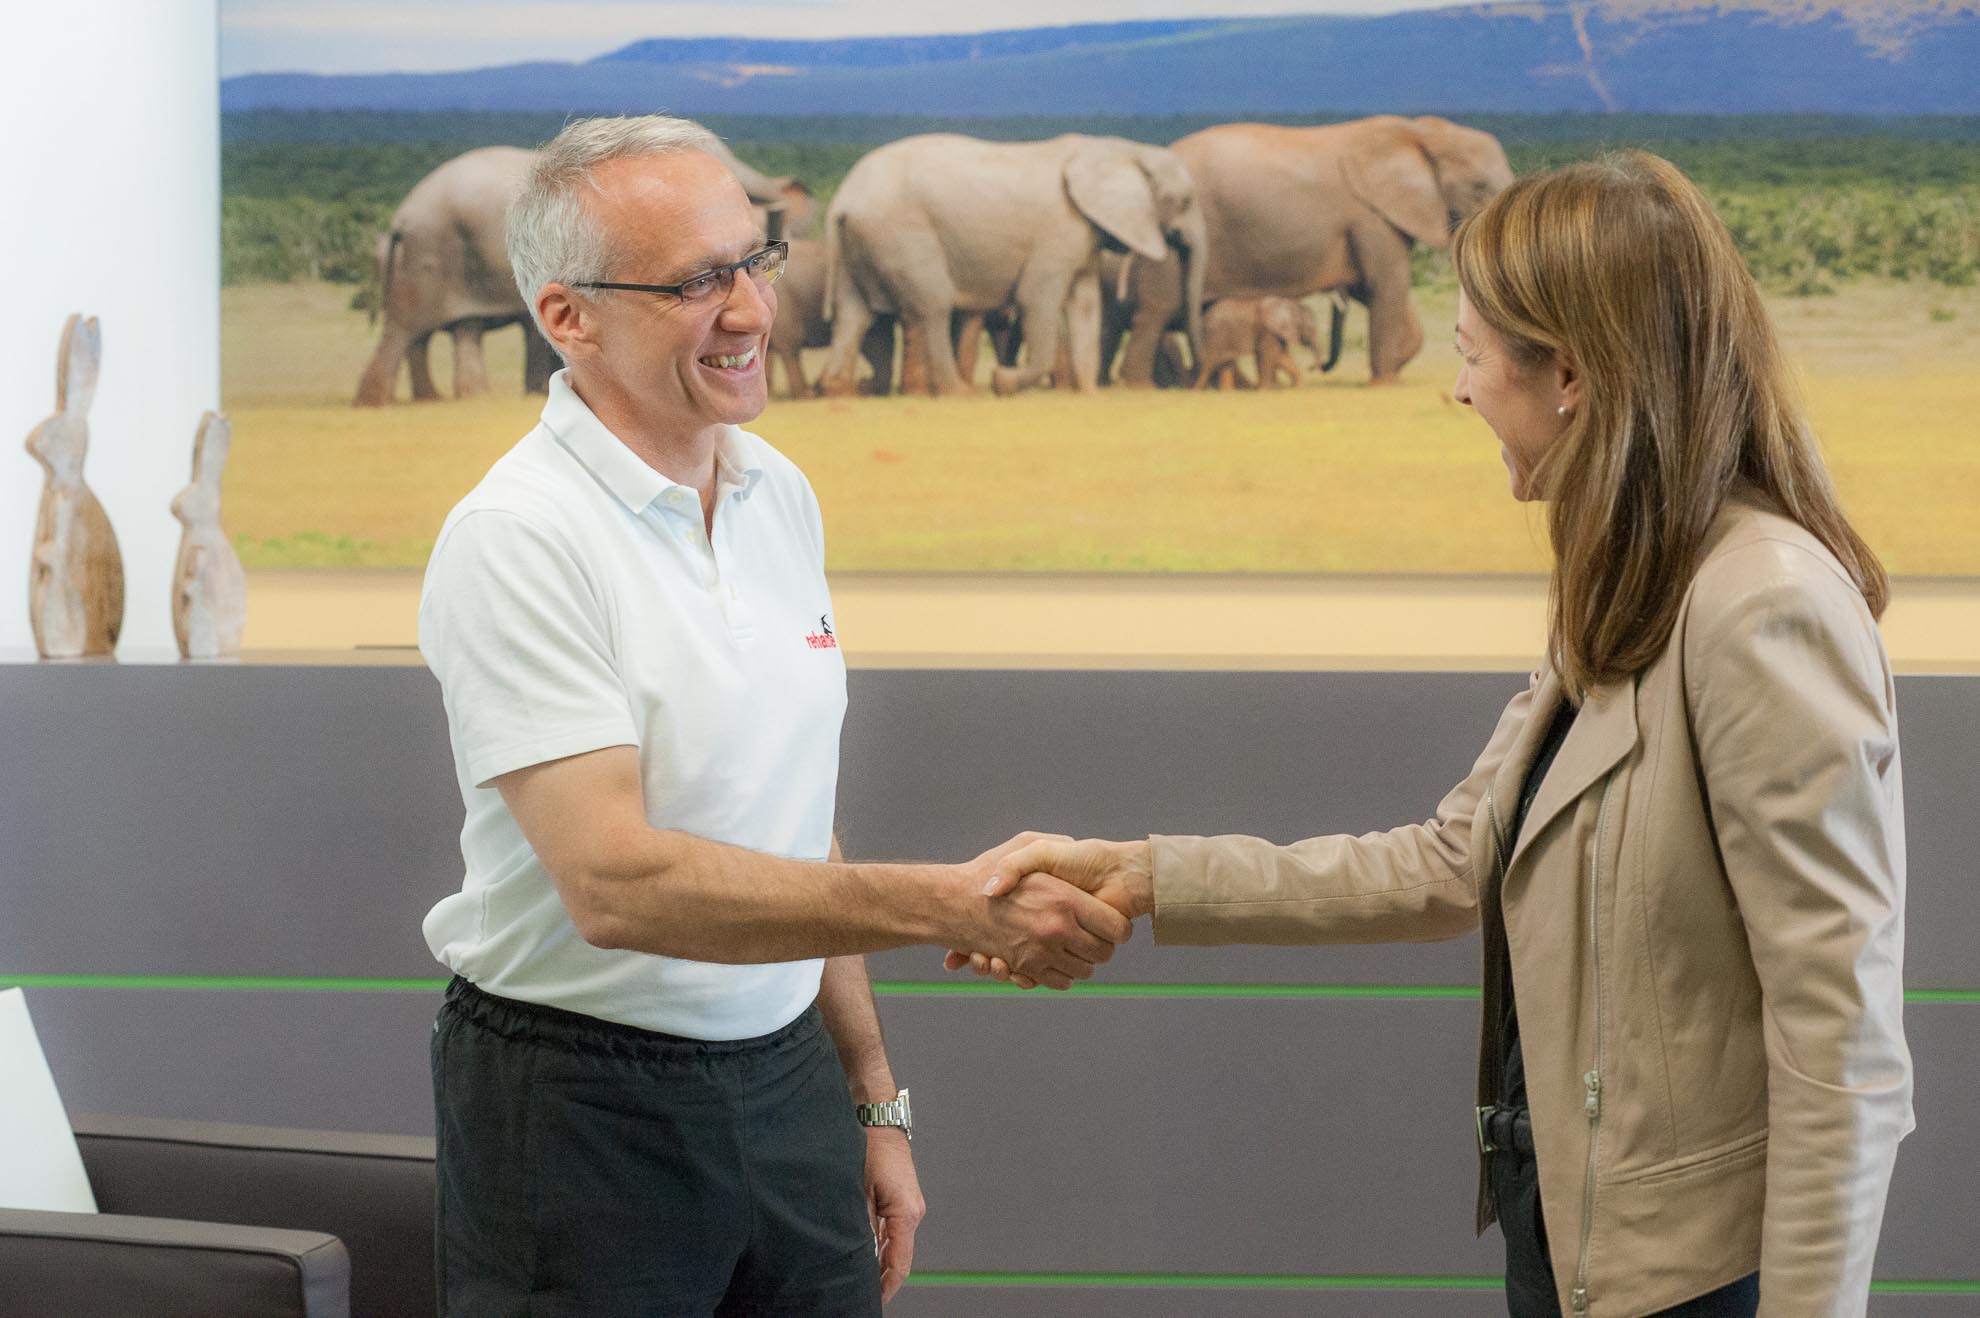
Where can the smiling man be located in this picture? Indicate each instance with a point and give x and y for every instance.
(659, 1048)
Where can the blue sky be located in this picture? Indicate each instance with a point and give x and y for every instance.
(374, 36)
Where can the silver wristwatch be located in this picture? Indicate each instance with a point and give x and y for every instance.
(894, 1112)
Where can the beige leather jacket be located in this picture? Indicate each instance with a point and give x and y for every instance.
(1705, 915)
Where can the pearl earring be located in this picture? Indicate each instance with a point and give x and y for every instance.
(1560, 411)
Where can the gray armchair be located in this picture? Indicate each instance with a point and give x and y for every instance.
(204, 1218)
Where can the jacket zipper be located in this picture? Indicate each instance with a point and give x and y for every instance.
(1592, 1081)
(1494, 1074)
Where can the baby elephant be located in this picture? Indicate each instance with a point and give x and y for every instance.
(1265, 327)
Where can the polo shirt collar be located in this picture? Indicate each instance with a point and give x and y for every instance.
(618, 468)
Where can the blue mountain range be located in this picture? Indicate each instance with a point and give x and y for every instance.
(1885, 57)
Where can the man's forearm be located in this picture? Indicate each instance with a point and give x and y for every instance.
(678, 895)
(845, 1000)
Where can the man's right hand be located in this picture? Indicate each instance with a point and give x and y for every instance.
(1119, 873)
(1046, 930)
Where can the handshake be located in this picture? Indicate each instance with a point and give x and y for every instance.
(1050, 909)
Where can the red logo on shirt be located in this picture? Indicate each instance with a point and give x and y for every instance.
(823, 639)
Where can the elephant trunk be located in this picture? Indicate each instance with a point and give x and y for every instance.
(1336, 321)
(385, 264)
(1193, 247)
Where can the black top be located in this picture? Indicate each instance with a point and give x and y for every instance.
(1512, 1088)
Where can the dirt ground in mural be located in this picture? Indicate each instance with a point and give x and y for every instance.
(1331, 477)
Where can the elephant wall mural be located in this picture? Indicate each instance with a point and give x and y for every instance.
(444, 267)
(1291, 212)
(930, 225)
(973, 243)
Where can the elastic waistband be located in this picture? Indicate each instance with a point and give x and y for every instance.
(556, 1027)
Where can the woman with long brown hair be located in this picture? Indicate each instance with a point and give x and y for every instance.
(1684, 842)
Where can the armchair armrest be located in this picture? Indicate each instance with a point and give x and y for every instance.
(372, 1192)
(140, 1266)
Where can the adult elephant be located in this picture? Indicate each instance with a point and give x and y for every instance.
(1291, 212)
(444, 266)
(801, 323)
(930, 225)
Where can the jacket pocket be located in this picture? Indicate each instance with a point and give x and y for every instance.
(1734, 1153)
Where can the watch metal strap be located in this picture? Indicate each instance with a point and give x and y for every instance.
(894, 1112)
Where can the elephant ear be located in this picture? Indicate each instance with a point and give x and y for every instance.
(1107, 186)
(1471, 165)
(1282, 318)
(1387, 168)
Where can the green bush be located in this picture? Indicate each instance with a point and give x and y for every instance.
(281, 239)
(1805, 239)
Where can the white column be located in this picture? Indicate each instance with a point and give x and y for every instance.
(112, 209)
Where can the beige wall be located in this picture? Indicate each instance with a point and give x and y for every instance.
(1014, 620)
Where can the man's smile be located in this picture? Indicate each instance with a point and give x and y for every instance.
(741, 361)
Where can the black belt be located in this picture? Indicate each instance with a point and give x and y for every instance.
(1507, 1129)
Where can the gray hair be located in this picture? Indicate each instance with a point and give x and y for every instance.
(552, 235)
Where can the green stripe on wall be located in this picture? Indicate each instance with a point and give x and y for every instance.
(939, 988)
(886, 988)
(1294, 1282)
(1209, 1281)
(306, 983)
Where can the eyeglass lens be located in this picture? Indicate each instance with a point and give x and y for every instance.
(763, 267)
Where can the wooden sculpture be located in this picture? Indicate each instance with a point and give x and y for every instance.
(209, 589)
(76, 577)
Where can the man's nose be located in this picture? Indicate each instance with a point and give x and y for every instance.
(749, 305)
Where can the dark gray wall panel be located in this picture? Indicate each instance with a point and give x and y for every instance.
(300, 821)
(1195, 1136)
(1306, 1137)
(327, 1061)
(947, 764)
(211, 819)
(1932, 1219)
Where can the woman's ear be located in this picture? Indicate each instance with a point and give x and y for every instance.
(1567, 380)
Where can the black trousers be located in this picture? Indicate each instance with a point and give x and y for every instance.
(592, 1170)
(1529, 1263)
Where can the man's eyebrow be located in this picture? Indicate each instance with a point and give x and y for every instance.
(707, 263)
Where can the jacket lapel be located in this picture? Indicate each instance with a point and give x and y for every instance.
(1512, 770)
(1603, 733)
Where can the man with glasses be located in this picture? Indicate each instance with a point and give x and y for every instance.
(659, 1047)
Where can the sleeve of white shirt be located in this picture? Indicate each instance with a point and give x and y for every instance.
(513, 627)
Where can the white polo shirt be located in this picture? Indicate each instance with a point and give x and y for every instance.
(574, 601)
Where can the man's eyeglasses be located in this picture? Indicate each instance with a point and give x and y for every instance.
(762, 267)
